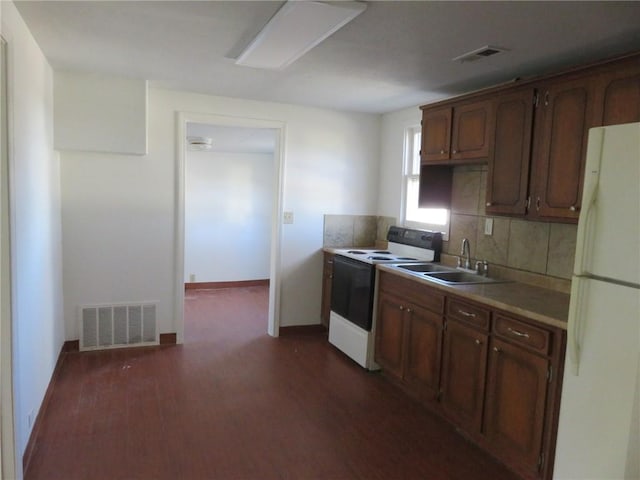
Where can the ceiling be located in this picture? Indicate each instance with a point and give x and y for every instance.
(396, 54)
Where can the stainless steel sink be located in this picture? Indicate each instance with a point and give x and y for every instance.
(425, 267)
(460, 278)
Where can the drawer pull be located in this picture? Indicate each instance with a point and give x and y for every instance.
(478, 342)
(496, 349)
(408, 310)
(517, 333)
(466, 314)
(401, 307)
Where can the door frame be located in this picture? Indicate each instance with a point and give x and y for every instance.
(277, 209)
(11, 464)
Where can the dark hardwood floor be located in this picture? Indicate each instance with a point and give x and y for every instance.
(234, 403)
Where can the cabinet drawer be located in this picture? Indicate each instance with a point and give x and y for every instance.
(522, 333)
(468, 313)
(412, 291)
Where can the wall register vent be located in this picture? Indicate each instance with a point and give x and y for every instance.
(116, 326)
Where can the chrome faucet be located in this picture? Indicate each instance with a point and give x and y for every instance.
(465, 251)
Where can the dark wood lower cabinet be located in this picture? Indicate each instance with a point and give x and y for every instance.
(390, 334)
(327, 278)
(495, 376)
(516, 399)
(464, 365)
(422, 361)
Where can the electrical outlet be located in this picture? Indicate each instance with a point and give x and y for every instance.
(287, 217)
(192, 277)
(488, 226)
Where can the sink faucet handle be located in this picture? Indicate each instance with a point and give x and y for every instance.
(479, 267)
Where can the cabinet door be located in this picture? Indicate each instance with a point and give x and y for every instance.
(424, 343)
(516, 395)
(620, 91)
(390, 332)
(327, 276)
(436, 135)
(464, 362)
(564, 115)
(470, 136)
(508, 175)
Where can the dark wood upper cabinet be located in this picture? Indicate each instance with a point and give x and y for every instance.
(533, 135)
(620, 94)
(565, 112)
(457, 134)
(436, 135)
(508, 173)
(470, 134)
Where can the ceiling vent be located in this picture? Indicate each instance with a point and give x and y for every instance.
(199, 143)
(478, 54)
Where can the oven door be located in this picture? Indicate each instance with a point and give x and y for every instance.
(352, 290)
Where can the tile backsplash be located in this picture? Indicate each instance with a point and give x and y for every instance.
(539, 252)
(542, 248)
(355, 230)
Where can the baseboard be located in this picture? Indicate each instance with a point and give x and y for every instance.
(168, 339)
(303, 330)
(211, 285)
(67, 347)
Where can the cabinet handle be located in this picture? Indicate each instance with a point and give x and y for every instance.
(488, 204)
(574, 208)
(478, 342)
(466, 314)
(401, 307)
(537, 204)
(455, 151)
(408, 310)
(546, 98)
(441, 152)
(330, 262)
(496, 349)
(331, 276)
(517, 333)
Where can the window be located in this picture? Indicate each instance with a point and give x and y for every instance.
(436, 219)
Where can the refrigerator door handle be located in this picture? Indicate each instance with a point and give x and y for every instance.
(591, 179)
(574, 324)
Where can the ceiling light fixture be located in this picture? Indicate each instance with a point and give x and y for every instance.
(294, 30)
(479, 53)
(199, 143)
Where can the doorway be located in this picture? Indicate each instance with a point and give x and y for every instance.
(232, 174)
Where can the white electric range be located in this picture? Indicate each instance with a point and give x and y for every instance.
(352, 318)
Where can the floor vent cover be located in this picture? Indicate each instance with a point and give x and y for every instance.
(116, 326)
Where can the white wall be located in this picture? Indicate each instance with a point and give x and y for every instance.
(100, 113)
(228, 193)
(390, 187)
(119, 211)
(36, 255)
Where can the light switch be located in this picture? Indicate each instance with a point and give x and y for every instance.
(488, 226)
(287, 217)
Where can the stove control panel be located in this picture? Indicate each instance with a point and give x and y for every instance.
(415, 238)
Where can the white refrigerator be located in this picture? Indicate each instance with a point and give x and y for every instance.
(599, 409)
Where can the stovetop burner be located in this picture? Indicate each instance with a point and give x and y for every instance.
(356, 252)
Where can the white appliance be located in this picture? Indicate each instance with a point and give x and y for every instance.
(598, 433)
(352, 317)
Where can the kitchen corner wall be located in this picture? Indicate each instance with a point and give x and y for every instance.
(355, 230)
(543, 248)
